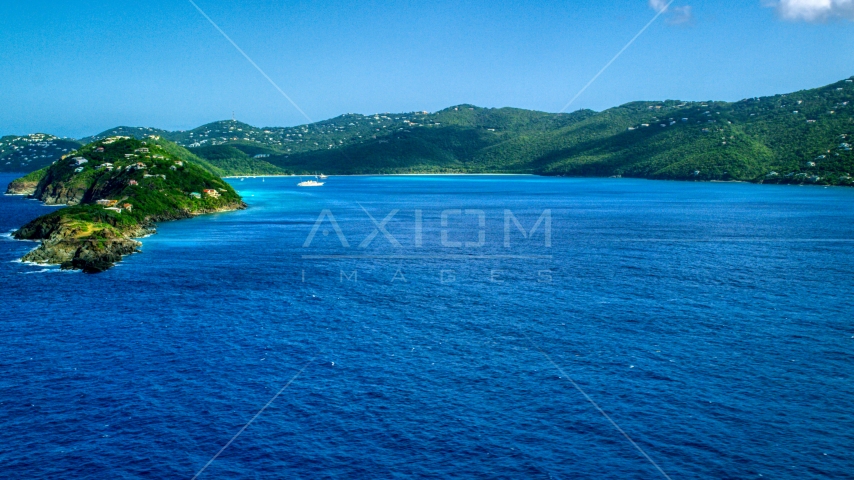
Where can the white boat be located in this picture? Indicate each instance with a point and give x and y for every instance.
(323, 177)
(310, 183)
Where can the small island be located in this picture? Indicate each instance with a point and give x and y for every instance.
(116, 190)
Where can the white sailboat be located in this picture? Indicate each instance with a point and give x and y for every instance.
(323, 177)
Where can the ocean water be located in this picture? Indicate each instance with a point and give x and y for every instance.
(711, 322)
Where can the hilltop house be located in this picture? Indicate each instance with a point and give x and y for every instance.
(79, 160)
(810, 164)
(211, 192)
(107, 203)
(114, 209)
(78, 169)
(114, 139)
(133, 182)
(99, 149)
(127, 206)
(136, 166)
(141, 150)
(195, 194)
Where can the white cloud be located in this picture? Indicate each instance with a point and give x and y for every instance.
(675, 15)
(813, 10)
(681, 15)
(658, 5)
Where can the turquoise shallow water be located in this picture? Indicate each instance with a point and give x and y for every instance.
(711, 322)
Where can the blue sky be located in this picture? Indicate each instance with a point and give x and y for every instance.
(76, 68)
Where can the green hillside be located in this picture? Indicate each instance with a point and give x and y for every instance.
(239, 159)
(802, 137)
(138, 133)
(115, 190)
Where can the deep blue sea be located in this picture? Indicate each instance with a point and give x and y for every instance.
(426, 329)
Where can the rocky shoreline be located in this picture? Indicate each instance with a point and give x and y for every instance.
(69, 245)
(22, 187)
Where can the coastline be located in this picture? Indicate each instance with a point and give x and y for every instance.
(760, 182)
(108, 199)
(63, 246)
(394, 175)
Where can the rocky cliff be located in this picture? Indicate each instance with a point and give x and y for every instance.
(74, 247)
(26, 185)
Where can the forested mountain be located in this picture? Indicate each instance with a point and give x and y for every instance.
(802, 137)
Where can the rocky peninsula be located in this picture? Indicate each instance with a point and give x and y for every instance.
(116, 190)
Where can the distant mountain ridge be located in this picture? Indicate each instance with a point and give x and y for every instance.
(801, 137)
(27, 153)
